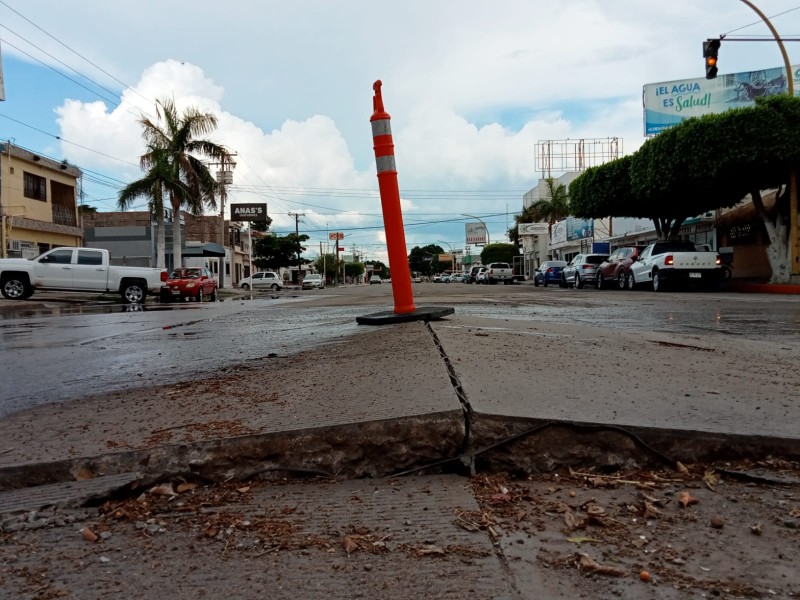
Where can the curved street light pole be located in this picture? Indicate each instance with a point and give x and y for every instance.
(486, 229)
(794, 239)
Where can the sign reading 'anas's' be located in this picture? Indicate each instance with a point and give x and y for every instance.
(249, 212)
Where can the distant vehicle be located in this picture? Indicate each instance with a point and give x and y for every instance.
(548, 272)
(668, 262)
(445, 279)
(613, 271)
(473, 274)
(481, 276)
(190, 283)
(436, 279)
(375, 279)
(417, 279)
(261, 281)
(500, 271)
(581, 270)
(313, 280)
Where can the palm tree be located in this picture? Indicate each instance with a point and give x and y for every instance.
(171, 158)
(554, 206)
(150, 188)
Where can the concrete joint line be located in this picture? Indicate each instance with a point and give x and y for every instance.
(456, 383)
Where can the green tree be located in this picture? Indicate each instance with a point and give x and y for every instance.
(499, 253)
(419, 259)
(528, 215)
(273, 252)
(262, 226)
(703, 164)
(328, 265)
(173, 153)
(378, 268)
(354, 270)
(151, 188)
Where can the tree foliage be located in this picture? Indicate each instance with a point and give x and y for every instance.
(328, 265)
(379, 268)
(272, 252)
(552, 207)
(701, 164)
(420, 259)
(499, 253)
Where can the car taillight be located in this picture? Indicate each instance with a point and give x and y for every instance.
(719, 260)
(588, 266)
(163, 275)
(669, 260)
(550, 270)
(491, 271)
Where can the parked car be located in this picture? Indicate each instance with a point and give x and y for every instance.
(445, 279)
(482, 276)
(190, 283)
(548, 272)
(581, 270)
(313, 280)
(375, 279)
(500, 271)
(675, 262)
(613, 272)
(417, 279)
(261, 281)
(436, 279)
(473, 274)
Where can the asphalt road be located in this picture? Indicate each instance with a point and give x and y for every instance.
(53, 349)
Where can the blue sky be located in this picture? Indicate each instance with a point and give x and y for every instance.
(471, 87)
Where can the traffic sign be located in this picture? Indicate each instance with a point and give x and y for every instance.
(336, 235)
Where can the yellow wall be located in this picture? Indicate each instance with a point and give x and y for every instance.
(13, 199)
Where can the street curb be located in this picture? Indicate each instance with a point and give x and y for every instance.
(764, 288)
(367, 449)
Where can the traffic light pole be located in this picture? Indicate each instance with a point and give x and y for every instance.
(794, 223)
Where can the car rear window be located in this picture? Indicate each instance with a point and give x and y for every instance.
(595, 259)
(499, 266)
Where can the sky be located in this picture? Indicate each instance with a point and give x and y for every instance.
(471, 86)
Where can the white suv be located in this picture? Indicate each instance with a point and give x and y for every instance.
(261, 281)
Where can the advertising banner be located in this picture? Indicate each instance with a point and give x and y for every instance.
(668, 103)
(579, 229)
(533, 228)
(249, 212)
(476, 233)
(559, 233)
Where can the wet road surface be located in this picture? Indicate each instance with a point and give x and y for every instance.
(54, 353)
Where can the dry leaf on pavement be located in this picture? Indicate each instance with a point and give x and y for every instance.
(711, 479)
(349, 544)
(587, 563)
(165, 489)
(88, 535)
(685, 498)
(681, 468)
(186, 487)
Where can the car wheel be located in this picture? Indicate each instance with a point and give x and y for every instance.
(214, 295)
(578, 282)
(622, 281)
(658, 283)
(275, 287)
(245, 286)
(15, 287)
(631, 281)
(199, 297)
(599, 282)
(133, 292)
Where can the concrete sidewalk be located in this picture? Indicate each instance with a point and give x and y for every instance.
(254, 472)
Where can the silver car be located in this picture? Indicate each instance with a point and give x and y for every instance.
(581, 270)
(261, 281)
(313, 280)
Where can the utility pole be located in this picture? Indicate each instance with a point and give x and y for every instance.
(297, 235)
(224, 179)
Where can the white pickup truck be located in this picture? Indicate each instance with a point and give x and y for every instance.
(499, 271)
(77, 270)
(671, 262)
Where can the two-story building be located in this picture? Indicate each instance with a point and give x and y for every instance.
(38, 203)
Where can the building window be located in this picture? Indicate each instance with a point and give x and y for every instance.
(35, 187)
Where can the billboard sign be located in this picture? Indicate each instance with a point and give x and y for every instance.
(336, 235)
(579, 229)
(670, 102)
(249, 212)
(476, 233)
(533, 228)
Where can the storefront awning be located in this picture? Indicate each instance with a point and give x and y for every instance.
(205, 250)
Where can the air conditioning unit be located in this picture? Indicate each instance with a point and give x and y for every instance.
(708, 216)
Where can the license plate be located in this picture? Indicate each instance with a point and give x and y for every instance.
(176, 292)
(695, 275)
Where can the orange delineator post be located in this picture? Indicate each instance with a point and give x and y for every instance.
(390, 203)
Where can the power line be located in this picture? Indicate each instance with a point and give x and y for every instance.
(751, 24)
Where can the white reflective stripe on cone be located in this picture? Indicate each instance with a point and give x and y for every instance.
(385, 163)
(381, 127)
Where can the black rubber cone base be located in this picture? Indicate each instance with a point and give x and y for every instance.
(422, 313)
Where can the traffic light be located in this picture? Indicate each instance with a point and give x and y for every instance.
(710, 49)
